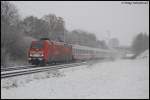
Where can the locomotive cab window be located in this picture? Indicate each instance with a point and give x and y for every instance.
(38, 44)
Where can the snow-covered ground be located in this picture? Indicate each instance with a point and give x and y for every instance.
(145, 54)
(113, 79)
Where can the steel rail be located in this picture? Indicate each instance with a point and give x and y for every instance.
(7, 74)
(26, 67)
(16, 68)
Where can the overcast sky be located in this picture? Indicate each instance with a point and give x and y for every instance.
(104, 19)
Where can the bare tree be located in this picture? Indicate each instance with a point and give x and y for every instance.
(36, 28)
(140, 43)
(11, 37)
(113, 42)
(56, 27)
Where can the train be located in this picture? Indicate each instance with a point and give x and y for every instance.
(45, 51)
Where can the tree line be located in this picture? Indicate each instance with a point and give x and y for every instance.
(17, 33)
(140, 43)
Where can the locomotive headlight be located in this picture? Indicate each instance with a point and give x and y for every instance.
(31, 54)
(29, 58)
(42, 54)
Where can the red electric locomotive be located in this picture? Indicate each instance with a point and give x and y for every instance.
(46, 51)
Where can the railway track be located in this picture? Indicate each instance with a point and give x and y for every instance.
(21, 67)
(16, 68)
(11, 72)
(29, 69)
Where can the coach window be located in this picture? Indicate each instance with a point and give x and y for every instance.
(75, 51)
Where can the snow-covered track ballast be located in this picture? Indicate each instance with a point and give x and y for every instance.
(30, 70)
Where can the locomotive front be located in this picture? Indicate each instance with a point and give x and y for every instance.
(36, 53)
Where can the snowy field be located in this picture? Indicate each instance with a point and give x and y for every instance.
(113, 79)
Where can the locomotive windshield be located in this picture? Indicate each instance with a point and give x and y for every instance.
(37, 44)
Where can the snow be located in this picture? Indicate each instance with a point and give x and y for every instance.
(113, 79)
(145, 54)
